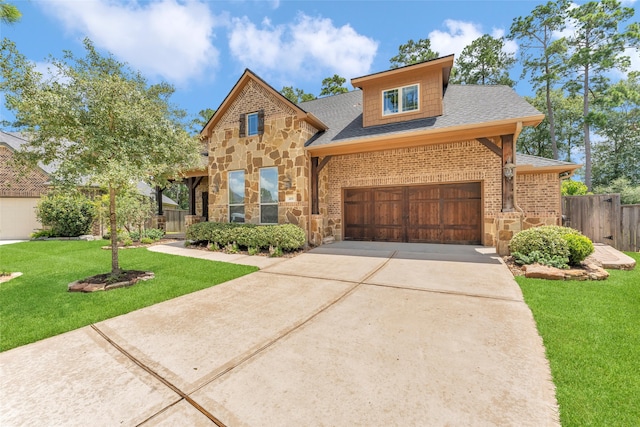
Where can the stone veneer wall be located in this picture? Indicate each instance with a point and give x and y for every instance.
(13, 184)
(281, 145)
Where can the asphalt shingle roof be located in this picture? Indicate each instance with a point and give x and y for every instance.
(538, 162)
(462, 104)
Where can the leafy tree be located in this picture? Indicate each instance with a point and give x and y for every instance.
(133, 209)
(629, 194)
(596, 47)
(296, 95)
(179, 193)
(9, 13)
(617, 118)
(333, 86)
(568, 125)
(543, 57)
(484, 62)
(201, 119)
(573, 188)
(99, 121)
(413, 52)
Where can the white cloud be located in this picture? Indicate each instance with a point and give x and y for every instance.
(310, 45)
(160, 38)
(460, 34)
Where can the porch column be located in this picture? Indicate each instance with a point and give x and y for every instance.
(159, 200)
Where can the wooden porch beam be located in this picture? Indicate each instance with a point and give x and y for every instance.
(323, 163)
(490, 145)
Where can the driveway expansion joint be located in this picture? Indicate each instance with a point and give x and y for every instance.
(163, 380)
(445, 292)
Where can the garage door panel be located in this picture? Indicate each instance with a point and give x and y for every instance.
(424, 212)
(439, 213)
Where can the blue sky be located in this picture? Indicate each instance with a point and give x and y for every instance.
(202, 47)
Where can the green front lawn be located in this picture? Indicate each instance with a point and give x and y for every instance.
(591, 331)
(37, 304)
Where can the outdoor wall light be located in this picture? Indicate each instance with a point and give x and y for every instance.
(287, 182)
(509, 169)
(215, 188)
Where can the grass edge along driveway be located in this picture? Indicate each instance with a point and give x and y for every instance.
(591, 333)
(37, 305)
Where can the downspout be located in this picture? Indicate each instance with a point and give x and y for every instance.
(308, 156)
(516, 135)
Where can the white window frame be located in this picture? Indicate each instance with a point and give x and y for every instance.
(400, 104)
(257, 124)
(244, 196)
(260, 193)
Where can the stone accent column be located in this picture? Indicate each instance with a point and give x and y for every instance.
(506, 227)
(159, 222)
(192, 219)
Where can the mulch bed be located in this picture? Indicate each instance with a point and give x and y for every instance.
(105, 282)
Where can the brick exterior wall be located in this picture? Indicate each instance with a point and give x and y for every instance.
(430, 97)
(281, 145)
(14, 184)
(465, 161)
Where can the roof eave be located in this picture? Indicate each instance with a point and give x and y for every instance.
(425, 137)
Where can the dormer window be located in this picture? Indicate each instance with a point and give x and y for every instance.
(400, 100)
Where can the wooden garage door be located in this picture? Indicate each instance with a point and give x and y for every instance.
(447, 213)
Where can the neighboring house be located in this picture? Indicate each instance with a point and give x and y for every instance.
(407, 158)
(20, 193)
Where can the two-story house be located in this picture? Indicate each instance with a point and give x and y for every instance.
(407, 157)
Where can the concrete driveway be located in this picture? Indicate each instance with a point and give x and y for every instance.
(347, 334)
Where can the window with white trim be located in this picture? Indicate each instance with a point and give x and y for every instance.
(269, 195)
(401, 100)
(236, 196)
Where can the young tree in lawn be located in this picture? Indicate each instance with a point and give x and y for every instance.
(98, 121)
(333, 86)
(296, 95)
(413, 52)
(484, 62)
(596, 47)
(542, 55)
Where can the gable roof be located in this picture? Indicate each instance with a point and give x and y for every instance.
(237, 88)
(482, 110)
(444, 62)
(14, 141)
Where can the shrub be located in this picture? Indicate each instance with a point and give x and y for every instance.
(550, 245)
(68, 215)
(287, 237)
(42, 234)
(146, 240)
(580, 247)
(573, 188)
(154, 234)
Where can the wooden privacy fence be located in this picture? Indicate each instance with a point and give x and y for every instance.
(603, 219)
(175, 220)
